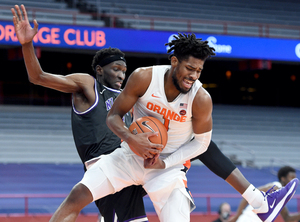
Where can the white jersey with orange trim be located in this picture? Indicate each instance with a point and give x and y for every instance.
(121, 168)
(175, 115)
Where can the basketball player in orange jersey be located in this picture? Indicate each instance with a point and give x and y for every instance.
(163, 92)
(157, 96)
(176, 89)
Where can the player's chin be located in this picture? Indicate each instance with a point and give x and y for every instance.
(185, 90)
(117, 85)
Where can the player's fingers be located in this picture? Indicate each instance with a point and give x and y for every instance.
(155, 150)
(155, 157)
(157, 146)
(19, 13)
(149, 134)
(13, 12)
(147, 155)
(151, 161)
(15, 16)
(36, 25)
(24, 12)
(15, 20)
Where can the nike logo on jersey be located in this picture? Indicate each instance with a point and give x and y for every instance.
(154, 96)
(273, 204)
(144, 123)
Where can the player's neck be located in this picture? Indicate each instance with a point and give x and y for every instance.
(170, 89)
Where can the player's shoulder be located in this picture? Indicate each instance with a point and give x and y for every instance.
(143, 70)
(202, 101)
(147, 72)
(138, 81)
(203, 96)
(142, 74)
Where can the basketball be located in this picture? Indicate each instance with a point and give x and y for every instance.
(150, 124)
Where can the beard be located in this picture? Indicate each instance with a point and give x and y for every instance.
(176, 84)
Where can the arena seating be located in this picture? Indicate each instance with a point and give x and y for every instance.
(60, 178)
(233, 10)
(262, 136)
(168, 14)
(50, 11)
(36, 135)
(253, 136)
(262, 12)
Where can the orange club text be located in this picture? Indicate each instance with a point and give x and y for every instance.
(55, 36)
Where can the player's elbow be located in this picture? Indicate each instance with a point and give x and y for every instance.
(35, 80)
(110, 120)
(203, 140)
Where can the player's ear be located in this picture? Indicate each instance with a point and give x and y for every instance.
(174, 61)
(99, 70)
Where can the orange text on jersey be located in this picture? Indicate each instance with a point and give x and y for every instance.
(168, 114)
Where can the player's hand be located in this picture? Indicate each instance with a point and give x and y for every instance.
(154, 163)
(23, 29)
(141, 145)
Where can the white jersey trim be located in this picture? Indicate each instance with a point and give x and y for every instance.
(110, 89)
(89, 109)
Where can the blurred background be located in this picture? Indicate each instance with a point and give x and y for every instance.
(254, 81)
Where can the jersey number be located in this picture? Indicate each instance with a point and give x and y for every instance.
(167, 123)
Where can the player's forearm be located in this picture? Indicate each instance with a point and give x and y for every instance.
(33, 67)
(117, 126)
(192, 149)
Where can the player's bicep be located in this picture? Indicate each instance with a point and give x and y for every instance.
(123, 104)
(68, 84)
(202, 112)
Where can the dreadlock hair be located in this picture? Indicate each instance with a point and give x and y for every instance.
(284, 171)
(185, 45)
(103, 53)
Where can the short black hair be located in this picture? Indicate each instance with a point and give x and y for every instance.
(284, 171)
(103, 53)
(185, 45)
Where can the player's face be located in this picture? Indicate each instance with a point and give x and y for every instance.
(288, 178)
(186, 73)
(114, 74)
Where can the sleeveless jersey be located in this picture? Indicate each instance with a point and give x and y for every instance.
(175, 115)
(91, 134)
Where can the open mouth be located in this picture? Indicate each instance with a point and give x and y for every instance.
(187, 83)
